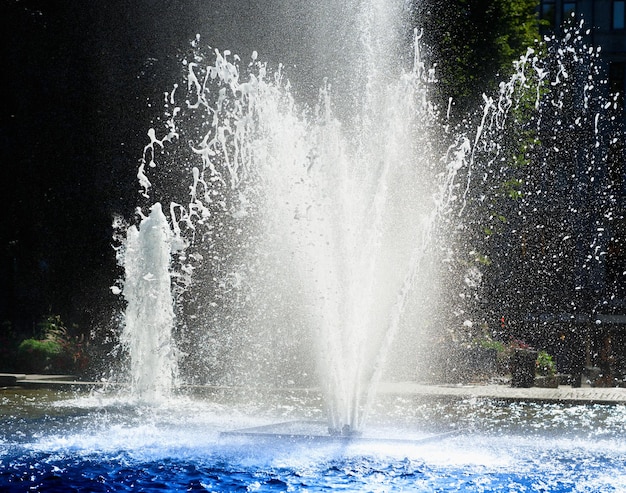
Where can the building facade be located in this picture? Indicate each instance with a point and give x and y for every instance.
(599, 321)
(606, 20)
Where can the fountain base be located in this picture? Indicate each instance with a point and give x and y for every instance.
(318, 431)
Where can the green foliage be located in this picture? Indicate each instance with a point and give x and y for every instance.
(52, 328)
(473, 40)
(54, 350)
(38, 355)
(545, 364)
(492, 344)
(37, 348)
(513, 188)
(482, 259)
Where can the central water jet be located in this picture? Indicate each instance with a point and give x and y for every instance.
(308, 228)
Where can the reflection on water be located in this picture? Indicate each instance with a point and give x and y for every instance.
(55, 442)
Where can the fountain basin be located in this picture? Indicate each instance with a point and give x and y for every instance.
(318, 431)
(59, 441)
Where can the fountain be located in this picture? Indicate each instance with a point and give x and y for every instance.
(306, 231)
(313, 218)
(290, 256)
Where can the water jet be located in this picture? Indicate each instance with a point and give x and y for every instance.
(315, 225)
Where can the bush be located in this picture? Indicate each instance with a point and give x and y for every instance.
(36, 355)
(54, 351)
(545, 365)
(492, 344)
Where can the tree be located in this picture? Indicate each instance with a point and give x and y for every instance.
(540, 214)
(472, 41)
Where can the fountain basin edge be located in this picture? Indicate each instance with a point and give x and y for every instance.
(317, 431)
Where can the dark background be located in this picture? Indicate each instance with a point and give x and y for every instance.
(84, 80)
(81, 83)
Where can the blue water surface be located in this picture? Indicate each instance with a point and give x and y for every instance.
(91, 444)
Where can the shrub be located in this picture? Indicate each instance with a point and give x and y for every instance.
(38, 355)
(492, 344)
(545, 364)
(54, 351)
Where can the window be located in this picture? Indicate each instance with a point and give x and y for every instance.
(619, 9)
(548, 12)
(569, 8)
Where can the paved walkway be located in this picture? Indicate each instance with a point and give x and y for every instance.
(597, 395)
(36, 380)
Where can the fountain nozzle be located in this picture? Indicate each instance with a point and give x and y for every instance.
(345, 431)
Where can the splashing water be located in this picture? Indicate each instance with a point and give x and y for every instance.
(149, 316)
(307, 220)
(310, 229)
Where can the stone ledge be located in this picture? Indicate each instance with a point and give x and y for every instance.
(585, 395)
(562, 394)
(26, 380)
(9, 379)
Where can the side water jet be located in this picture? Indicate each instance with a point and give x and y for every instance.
(149, 315)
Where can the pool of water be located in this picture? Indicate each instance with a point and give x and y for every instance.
(62, 442)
